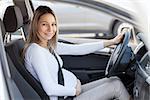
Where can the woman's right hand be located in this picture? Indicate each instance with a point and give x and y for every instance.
(78, 87)
(113, 41)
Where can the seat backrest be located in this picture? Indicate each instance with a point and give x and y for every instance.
(14, 49)
(27, 92)
(21, 88)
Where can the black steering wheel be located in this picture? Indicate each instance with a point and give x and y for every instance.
(116, 56)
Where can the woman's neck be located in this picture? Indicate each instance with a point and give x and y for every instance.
(43, 44)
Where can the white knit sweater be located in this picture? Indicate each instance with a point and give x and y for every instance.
(44, 67)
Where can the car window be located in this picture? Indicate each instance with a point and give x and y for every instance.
(3, 5)
(80, 21)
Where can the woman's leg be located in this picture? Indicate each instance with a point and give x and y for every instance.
(91, 85)
(107, 89)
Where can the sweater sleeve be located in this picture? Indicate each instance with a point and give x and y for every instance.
(40, 63)
(79, 49)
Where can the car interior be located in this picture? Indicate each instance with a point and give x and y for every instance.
(133, 72)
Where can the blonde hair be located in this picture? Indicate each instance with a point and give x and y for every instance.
(33, 36)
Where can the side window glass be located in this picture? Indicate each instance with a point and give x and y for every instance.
(82, 22)
(79, 21)
(3, 5)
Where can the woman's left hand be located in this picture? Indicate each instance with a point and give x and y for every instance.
(78, 87)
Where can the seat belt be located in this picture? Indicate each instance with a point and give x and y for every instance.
(61, 80)
(60, 76)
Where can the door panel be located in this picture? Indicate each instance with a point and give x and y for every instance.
(141, 89)
(86, 67)
(142, 82)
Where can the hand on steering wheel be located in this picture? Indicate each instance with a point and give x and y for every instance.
(116, 56)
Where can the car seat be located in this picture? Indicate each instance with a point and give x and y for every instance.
(13, 21)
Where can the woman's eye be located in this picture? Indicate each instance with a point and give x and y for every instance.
(53, 24)
(43, 24)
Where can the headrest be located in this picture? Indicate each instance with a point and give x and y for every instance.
(2, 28)
(12, 19)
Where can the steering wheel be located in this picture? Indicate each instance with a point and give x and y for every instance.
(116, 56)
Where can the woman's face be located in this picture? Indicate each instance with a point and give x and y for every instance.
(46, 27)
